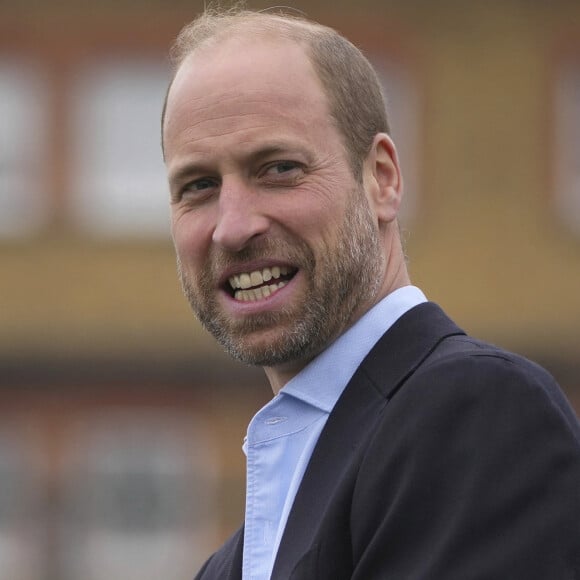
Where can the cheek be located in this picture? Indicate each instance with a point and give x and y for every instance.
(319, 226)
(191, 240)
(315, 212)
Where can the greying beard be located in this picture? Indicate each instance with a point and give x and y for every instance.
(346, 277)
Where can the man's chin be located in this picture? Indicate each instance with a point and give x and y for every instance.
(267, 339)
(259, 348)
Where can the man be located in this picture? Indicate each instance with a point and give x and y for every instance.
(395, 446)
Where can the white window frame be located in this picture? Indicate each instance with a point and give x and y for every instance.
(119, 187)
(24, 128)
(566, 194)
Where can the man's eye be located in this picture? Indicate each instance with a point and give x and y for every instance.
(197, 190)
(200, 185)
(281, 167)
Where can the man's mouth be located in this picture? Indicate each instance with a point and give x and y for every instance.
(259, 284)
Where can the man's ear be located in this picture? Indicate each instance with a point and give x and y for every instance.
(382, 178)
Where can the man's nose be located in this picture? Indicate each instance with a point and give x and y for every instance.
(240, 217)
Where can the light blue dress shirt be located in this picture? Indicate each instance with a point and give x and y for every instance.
(283, 434)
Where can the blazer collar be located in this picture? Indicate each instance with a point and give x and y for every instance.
(384, 370)
(405, 346)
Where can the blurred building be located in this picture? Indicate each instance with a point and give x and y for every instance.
(121, 422)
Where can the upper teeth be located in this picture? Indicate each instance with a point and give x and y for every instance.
(257, 277)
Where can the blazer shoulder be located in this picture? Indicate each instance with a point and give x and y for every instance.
(464, 367)
(475, 464)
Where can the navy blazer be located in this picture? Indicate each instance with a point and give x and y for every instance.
(445, 458)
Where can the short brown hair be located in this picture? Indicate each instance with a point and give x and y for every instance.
(349, 81)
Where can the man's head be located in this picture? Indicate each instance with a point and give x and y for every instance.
(351, 84)
(281, 243)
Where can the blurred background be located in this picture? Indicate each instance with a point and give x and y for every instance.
(121, 423)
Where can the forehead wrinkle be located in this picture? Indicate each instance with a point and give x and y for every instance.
(246, 109)
(225, 117)
(185, 99)
(192, 139)
(199, 126)
(245, 98)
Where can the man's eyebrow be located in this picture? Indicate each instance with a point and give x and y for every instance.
(276, 148)
(273, 149)
(186, 171)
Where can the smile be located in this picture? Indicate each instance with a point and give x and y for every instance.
(259, 284)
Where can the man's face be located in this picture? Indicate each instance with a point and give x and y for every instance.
(277, 246)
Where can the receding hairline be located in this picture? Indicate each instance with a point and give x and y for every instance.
(211, 27)
(251, 31)
(240, 24)
(195, 38)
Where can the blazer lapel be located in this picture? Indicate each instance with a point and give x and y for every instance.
(226, 563)
(394, 358)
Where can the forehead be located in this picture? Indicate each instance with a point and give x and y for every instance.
(242, 78)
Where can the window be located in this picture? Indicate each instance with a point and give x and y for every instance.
(138, 497)
(23, 143)
(567, 145)
(119, 186)
(20, 509)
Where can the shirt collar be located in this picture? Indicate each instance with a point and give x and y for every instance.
(322, 381)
